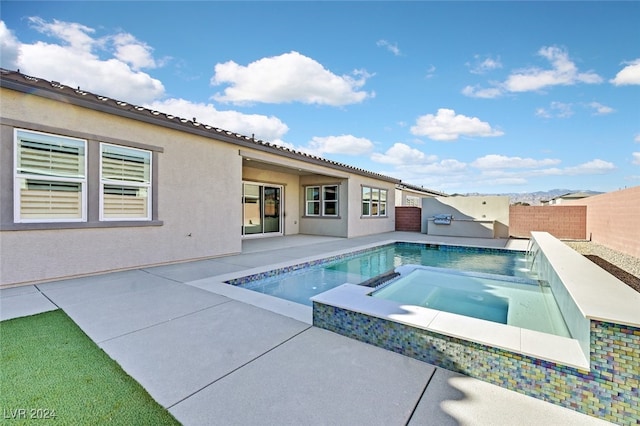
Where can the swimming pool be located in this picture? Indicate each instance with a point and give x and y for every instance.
(300, 282)
(519, 302)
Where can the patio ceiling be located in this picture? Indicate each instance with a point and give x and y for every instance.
(258, 161)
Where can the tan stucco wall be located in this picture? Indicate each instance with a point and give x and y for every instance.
(199, 197)
(198, 179)
(472, 215)
(291, 187)
(331, 226)
(359, 226)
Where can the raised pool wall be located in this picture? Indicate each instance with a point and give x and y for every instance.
(609, 389)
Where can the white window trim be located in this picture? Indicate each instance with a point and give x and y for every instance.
(148, 185)
(17, 178)
(321, 201)
(307, 201)
(371, 201)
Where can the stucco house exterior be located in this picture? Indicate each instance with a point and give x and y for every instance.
(90, 184)
(411, 195)
(571, 196)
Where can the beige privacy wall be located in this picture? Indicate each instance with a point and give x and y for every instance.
(479, 216)
(613, 219)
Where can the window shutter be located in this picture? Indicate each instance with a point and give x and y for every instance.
(126, 183)
(49, 177)
(50, 200)
(125, 165)
(50, 159)
(125, 202)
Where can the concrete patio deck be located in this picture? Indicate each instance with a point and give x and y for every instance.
(215, 354)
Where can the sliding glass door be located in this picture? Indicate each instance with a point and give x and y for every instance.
(261, 209)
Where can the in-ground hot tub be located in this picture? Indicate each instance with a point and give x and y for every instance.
(516, 301)
(594, 372)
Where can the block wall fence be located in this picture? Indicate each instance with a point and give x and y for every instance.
(563, 222)
(613, 219)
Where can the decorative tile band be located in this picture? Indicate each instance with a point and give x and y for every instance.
(610, 391)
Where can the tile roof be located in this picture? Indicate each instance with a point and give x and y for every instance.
(54, 90)
(422, 189)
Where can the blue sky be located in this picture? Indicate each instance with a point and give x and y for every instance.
(460, 97)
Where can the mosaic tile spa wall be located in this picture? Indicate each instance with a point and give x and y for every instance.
(610, 391)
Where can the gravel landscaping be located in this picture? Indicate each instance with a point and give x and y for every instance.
(624, 267)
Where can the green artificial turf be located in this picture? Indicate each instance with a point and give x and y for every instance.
(52, 373)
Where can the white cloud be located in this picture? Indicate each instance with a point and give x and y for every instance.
(556, 109)
(484, 93)
(133, 52)
(600, 109)
(430, 72)
(75, 62)
(111, 78)
(447, 126)
(630, 74)
(401, 154)
(593, 167)
(391, 47)
(565, 110)
(269, 129)
(637, 138)
(636, 158)
(9, 48)
(76, 36)
(495, 161)
(290, 77)
(563, 72)
(482, 65)
(343, 144)
(444, 167)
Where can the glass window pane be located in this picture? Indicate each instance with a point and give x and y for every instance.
(366, 193)
(41, 199)
(125, 202)
(126, 164)
(50, 155)
(331, 208)
(252, 207)
(365, 209)
(313, 193)
(313, 208)
(330, 193)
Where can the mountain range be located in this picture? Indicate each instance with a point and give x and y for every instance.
(536, 198)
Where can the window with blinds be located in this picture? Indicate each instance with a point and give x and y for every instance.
(125, 175)
(50, 178)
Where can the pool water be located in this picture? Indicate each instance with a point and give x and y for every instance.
(299, 284)
(514, 301)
